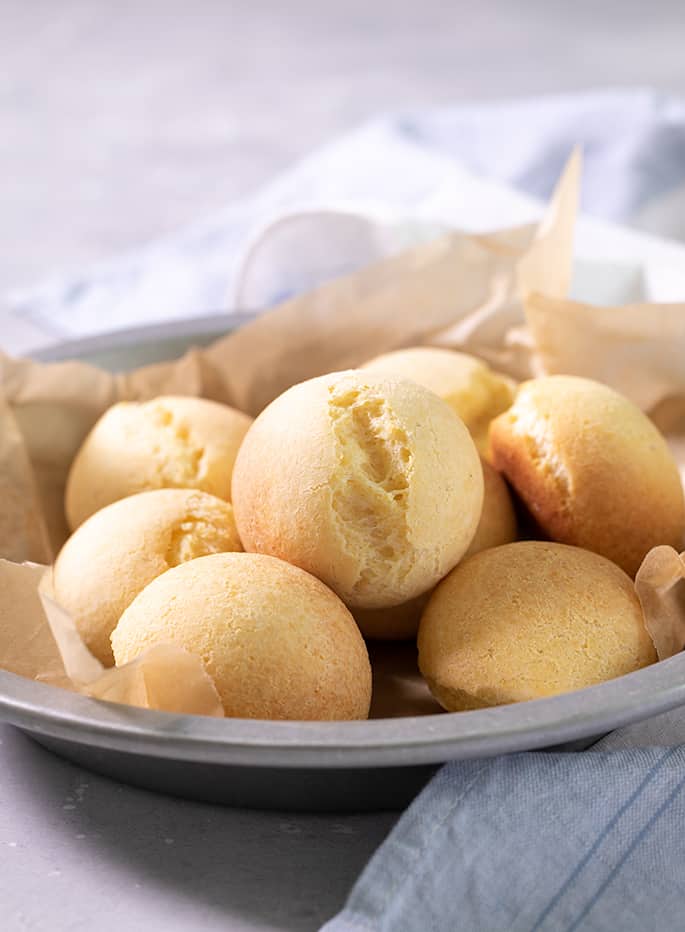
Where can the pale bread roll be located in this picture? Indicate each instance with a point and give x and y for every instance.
(397, 623)
(497, 523)
(369, 482)
(497, 526)
(170, 442)
(113, 555)
(277, 643)
(529, 620)
(468, 385)
(592, 469)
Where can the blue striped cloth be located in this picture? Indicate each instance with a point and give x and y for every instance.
(534, 843)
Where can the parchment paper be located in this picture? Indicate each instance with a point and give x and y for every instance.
(660, 585)
(501, 296)
(39, 640)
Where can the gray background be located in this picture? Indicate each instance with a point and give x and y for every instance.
(120, 122)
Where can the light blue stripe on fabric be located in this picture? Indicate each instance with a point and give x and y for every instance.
(546, 842)
(588, 856)
(632, 847)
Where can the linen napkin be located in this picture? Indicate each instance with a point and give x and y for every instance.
(547, 842)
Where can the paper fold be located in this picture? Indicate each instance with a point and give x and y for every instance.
(39, 640)
(660, 585)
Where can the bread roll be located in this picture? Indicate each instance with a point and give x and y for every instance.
(497, 523)
(170, 442)
(370, 482)
(277, 643)
(497, 526)
(467, 384)
(529, 620)
(397, 623)
(591, 467)
(113, 555)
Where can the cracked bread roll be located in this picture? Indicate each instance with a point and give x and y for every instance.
(497, 526)
(467, 384)
(116, 552)
(169, 442)
(367, 481)
(277, 643)
(592, 469)
(529, 620)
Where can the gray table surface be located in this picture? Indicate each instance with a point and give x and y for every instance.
(120, 122)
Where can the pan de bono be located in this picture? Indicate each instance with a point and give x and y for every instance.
(467, 384)
(529, 620)
(592, 469)
(116, 552)
(367, 481)
(169, 442)
(277, 643)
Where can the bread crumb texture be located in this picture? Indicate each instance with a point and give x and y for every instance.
(116, 552)
(370, 487)
(475, 392)
(368, 481)
(497, 526)
(169, 442)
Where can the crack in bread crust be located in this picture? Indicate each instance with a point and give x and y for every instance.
(370, 486)
(537, 435)
(193, 537)
(187, 464)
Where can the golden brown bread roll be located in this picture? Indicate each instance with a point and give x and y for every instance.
(467, 384)
(497, 523)
(591, 467)
(113, 555)
(170, 442)
(277, 643)
(497, 526)
(397, 623)
(529, 620)
(370, 482)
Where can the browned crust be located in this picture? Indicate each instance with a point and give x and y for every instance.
(399, 623)
(606, 512)
(542, 494)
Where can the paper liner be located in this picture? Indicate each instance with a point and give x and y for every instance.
(23, 531)
(398, 687)
(27, 646)
(660, 585)
(165, 677)
(38, 640)
(638, 349)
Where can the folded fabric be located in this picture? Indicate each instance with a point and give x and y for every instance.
(534, 843)
(477, 167)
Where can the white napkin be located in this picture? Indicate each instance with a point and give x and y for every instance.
(399, 180)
